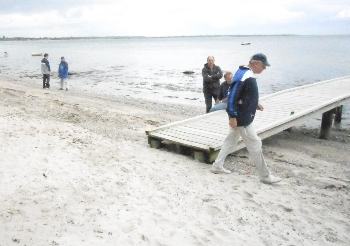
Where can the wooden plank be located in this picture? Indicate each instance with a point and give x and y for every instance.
(179, 140)
(182, 121)
(203, 140)
(201, 132)
(219, 131)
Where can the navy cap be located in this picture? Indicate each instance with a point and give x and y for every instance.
(260, 57)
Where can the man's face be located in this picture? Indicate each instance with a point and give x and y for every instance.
(228, 78)
(211, 61)
(258, 67)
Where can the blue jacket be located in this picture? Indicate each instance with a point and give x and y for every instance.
(63, 70)
(243, 97)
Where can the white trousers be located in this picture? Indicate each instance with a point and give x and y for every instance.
(64, 84)
(253, 144)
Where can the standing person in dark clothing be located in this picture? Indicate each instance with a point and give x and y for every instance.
(211, 81)
(221, 103)
(45, 70)
(243, 101)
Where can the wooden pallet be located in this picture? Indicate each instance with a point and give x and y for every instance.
(203, 135)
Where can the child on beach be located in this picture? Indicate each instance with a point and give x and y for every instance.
(63, 74)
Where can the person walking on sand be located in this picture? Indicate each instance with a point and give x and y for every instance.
(45, 70)
(221, 102)
(211, 81)
(243, 101)
(63, 74)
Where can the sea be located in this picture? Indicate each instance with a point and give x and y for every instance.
(152, 68)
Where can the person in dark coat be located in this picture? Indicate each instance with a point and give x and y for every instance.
(211, 82)
(45, 70)
(221, 103)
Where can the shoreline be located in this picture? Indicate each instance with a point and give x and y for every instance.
(149, 99)
(77, 170)
(155, 37)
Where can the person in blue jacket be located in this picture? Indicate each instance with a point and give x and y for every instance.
(243, 101)
(63, 74)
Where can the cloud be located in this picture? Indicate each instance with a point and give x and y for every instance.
(30, 6)
(344, 14)
(165, 18)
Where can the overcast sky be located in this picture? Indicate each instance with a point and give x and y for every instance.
(38, 18)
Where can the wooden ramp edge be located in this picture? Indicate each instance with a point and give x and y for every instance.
(202, 136)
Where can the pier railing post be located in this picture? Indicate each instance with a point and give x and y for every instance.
(326, 124)
(338, 114)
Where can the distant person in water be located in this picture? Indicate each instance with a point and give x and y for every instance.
(45, 70)
(221, 102)
(63, 74)
(6, 54)
(211, 82)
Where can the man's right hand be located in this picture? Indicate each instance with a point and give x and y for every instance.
(233, 122)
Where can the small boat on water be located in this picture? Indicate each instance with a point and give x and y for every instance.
(37, 54)
(245, 43)
(188, 72)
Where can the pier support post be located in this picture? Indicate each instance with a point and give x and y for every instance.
(326, 124)
(154, 143)
(205, 157)
(338, 114)
(200, 156)
(212, 156)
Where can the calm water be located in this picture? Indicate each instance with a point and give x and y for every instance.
(152, 68)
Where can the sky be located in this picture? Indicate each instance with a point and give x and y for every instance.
(63, 18)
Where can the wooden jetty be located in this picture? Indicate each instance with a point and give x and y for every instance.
(203, 136)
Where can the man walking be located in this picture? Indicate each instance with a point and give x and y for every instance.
(45, 70)
(211, 81)
(243, 101)
(63, 74)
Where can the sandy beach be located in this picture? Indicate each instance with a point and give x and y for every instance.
(77, 170)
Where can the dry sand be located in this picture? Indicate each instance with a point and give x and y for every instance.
(77, 170)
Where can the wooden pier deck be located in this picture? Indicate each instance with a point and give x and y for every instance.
(203, 135)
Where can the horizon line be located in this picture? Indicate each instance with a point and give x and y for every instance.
(4, 37)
